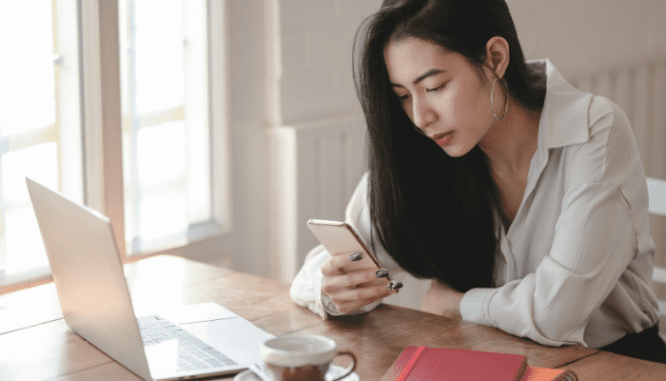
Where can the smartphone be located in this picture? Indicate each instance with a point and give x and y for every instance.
(340, 238)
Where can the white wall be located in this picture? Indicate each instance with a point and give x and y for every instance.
(588, 35)
(246, 50)
(314, 46)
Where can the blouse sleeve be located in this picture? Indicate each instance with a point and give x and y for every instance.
(595, 240)
(306, 287)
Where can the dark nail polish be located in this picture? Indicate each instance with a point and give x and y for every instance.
(394, 285)
(356, 257)
(382, 273)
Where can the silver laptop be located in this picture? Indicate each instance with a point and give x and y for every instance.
(88, 274)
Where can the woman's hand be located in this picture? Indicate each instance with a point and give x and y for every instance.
(350, 291)
(442, 300)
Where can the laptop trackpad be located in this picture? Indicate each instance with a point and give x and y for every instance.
(235, 337)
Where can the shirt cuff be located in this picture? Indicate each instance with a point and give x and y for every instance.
(474, 305)
(323, 305)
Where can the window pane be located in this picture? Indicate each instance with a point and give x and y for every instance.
(27, 87)
(165, 120)
(25, 247)
(159, 221)
(159, 55)
(161, 153)
(40, 163)
(23, 242)
(40, 129)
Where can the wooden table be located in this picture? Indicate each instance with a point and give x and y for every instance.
(36, 344)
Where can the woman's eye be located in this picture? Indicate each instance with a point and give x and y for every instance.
(436, 88)
(403, 97)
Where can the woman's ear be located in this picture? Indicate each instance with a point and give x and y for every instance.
(497, 53)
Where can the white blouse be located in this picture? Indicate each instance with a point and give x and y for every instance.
(576, 263)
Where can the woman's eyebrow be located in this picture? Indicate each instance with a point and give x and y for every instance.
(423, 76)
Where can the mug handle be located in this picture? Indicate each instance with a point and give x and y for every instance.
(351, 366)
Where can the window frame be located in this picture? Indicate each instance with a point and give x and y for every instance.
(103, 137)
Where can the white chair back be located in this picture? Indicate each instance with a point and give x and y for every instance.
(657, 198)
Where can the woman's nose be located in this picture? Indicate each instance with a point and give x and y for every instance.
(423, 114)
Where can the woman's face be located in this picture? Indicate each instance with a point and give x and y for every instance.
(442, 93)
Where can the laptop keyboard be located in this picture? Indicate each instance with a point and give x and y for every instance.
(193, 354)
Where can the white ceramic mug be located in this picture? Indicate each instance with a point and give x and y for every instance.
(302, 357)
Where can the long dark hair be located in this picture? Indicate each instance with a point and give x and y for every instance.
(434, 214)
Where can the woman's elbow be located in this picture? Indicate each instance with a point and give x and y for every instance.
(556, 329)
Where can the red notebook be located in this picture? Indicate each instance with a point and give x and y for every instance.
(439, 364)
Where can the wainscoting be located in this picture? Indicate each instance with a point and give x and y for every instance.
(315, 167)
(314, 171)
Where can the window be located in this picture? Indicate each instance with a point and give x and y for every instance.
(166, 130)
(40, 124)
(64, 123)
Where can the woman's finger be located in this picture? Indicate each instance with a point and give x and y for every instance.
(335, 265)
(350, 300)
(335, 283)
(375, 292)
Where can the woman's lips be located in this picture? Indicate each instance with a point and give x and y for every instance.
(443, 139)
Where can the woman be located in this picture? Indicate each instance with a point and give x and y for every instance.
(522, 198)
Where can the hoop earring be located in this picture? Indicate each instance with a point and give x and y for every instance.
(492, 102)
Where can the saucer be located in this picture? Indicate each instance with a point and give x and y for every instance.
(249, 375)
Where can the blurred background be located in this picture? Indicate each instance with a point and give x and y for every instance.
(213, 129)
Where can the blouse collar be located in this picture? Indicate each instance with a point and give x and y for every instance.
(564, 118)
